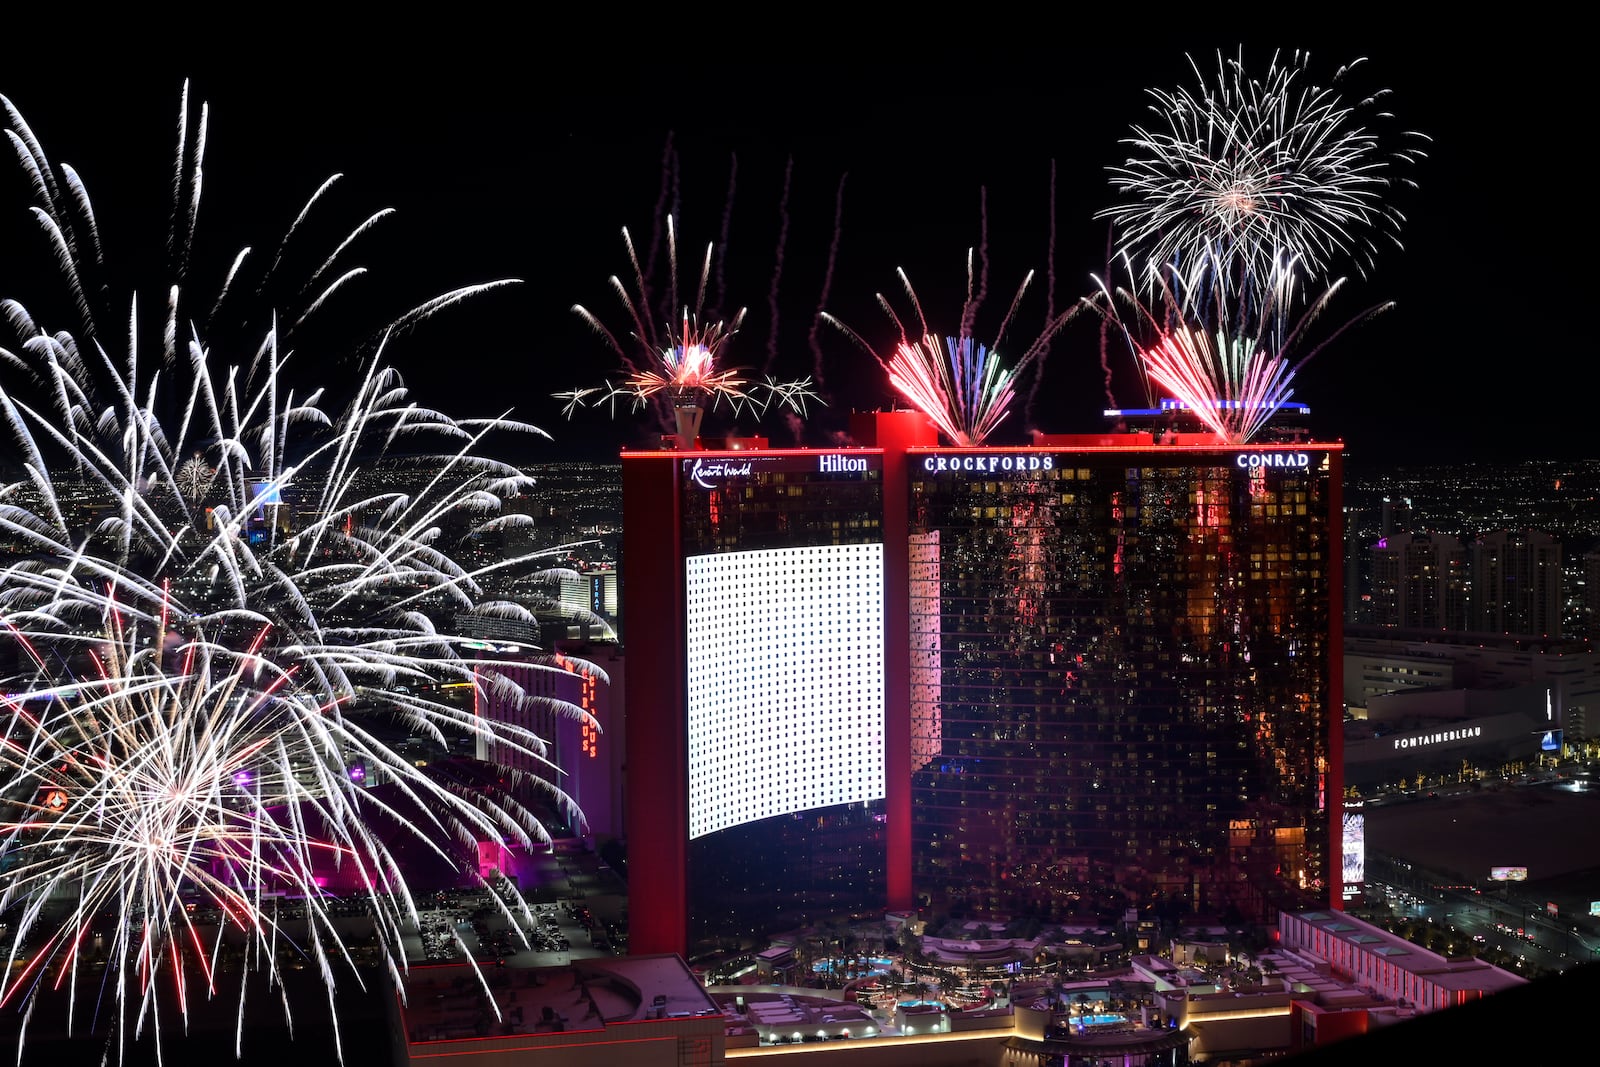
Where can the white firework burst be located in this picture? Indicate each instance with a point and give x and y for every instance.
(304, 590)
(1255, 185)
(194, 477)
(159, 792)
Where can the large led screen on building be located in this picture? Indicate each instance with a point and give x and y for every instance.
(785, 682)
(1355, 852)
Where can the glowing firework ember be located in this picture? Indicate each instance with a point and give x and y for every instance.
(147, 779)
(684, 363)
(1230, 380)
(1220, 380)
(959, 384)
(1258, 180)
(219, 513)
(962, 388)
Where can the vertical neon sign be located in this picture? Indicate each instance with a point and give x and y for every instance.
(588, 734)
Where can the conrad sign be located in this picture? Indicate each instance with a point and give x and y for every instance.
(1279, 460)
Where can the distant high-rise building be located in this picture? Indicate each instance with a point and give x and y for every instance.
(1419, 581)
(1516, 584)
(1589, 597)
(1088, 674)
(1357, 571)
(592, 591)
(1395, 517)
(583, 756)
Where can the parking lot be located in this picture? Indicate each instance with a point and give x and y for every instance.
(572, 907)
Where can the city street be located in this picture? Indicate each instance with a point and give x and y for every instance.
(1455, 841)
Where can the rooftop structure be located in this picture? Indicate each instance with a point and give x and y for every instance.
(641, 1009)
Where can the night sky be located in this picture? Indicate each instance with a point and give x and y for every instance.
(827, 155)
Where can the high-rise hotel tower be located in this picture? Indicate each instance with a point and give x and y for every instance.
(754, 585)
(1107, 678)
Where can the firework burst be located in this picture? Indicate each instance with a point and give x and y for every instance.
(1207, 360)
(1219, 380)
(148, 778)
(961, 385)
(1258, 181)
(680, 365)
(207, 503)
(194, 477)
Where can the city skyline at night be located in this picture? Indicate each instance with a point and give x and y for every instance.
(270, 471)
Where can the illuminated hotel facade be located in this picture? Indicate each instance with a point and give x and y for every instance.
(756, 711)
(1107, 680)
(1124, 690)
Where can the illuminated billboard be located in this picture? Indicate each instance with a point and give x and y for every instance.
(1508, 874)
(784, 682)
(927, 679)
(1355, 852)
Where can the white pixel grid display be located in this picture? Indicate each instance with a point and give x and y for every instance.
(785, 682)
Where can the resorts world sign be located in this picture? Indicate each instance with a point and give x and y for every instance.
(709, 472)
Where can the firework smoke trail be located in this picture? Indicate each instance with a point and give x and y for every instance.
(827, 285)
(1050, 289)
(777, 265)
(975, 299)
(1050, 251)
(1244, 174)
(269, 554)
(667, 196)
(721, 291)
(1105, 343)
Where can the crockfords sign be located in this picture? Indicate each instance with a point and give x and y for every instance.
(1297, 460)
(1462, 734)
(987, 464)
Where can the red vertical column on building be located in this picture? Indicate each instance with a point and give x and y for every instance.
(894, 432)
(1335, 777)
(657, 766)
